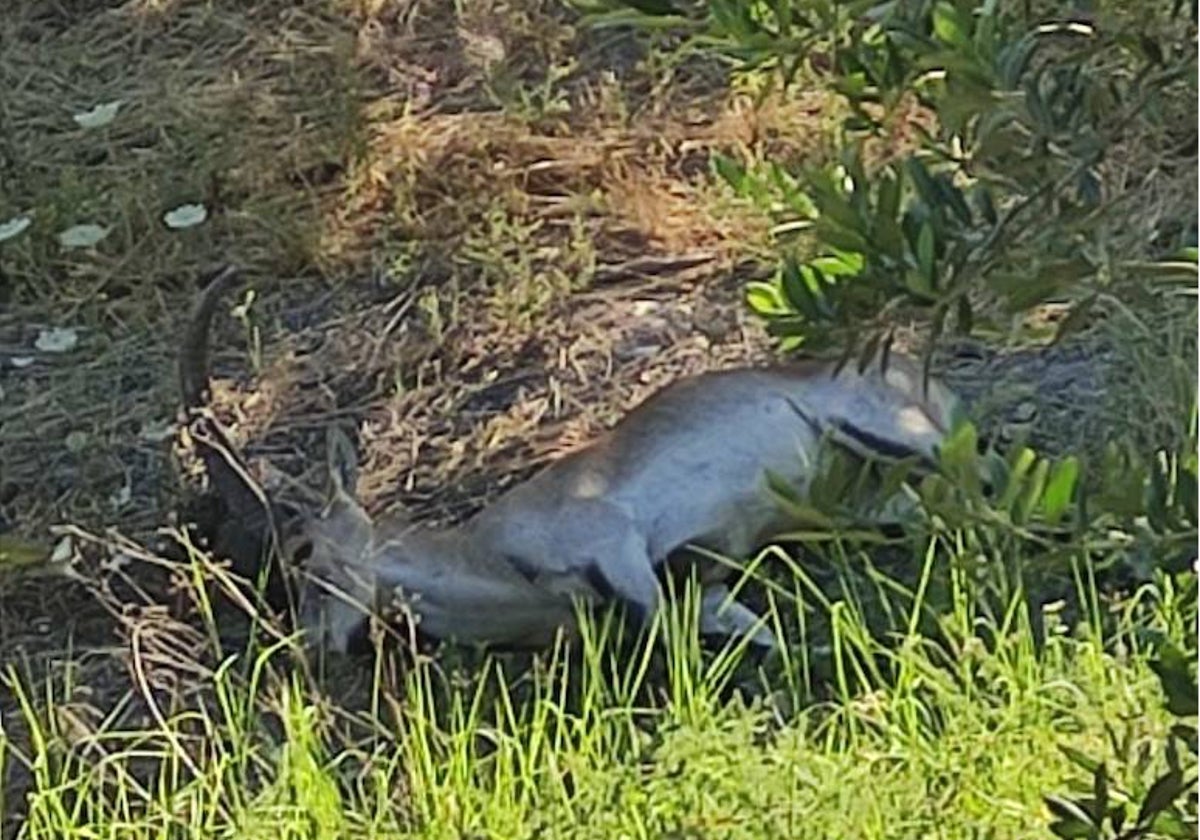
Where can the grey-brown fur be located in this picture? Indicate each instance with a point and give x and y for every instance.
(685, 468)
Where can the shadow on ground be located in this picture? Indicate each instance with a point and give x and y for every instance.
(476, 237)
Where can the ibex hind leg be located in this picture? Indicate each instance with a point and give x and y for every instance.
(722, 615)
(627, 571)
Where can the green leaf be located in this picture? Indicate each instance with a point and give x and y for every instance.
(1072, 820)
(730, 171)
(1160, 797)
(923, 181)
(894, 476)
(1079, 759)
(803, 515)
(840, 237)
(1023, 290)
(965, 318)
(840, 264)
(763, 298)
(1023, 462)
(887, 213)
(1076, 318)
(655, 8)
(960, 448)
(1188, 735)
(15, 553)
(797, 291)
(835, 209)
(1033, 491)
(1070, 829)
(783, 488)
(1187, 492)
(793, 329)
(1158, 494)
(631, 17)
(1178, 681)
(925, 255)
(1014, 60)
(1099, 794)
(1151, 49)
(1117, 817)
(916, 283)
(1184, 271)
(953, 198)
(949, 26)
(1171, 824)
(1059, 489)
(985, 204)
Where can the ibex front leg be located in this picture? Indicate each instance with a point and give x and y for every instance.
(627, 570)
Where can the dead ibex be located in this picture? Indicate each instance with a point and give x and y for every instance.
(685, 468)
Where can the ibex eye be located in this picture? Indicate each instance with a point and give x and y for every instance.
(303, 552)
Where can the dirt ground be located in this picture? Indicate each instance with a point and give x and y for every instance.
(477, 236)
(441, 255)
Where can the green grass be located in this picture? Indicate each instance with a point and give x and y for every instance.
(484, 162)
(954, 738)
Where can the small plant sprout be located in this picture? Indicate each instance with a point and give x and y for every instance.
(243, 312)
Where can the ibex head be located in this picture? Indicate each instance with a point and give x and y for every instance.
(909, 416)
(340, 549)
(300, 531)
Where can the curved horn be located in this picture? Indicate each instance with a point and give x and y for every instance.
(193, 360)
(227, 471)
(250, 524)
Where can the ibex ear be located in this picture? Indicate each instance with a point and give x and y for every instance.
(342, 462)
(345, 525)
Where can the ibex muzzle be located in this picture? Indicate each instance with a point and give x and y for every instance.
(685, 468)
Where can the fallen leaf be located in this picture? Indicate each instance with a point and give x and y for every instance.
(157, 433)
(62, 551)
(75, 442)
(98, 116)
(185, 216)
(82, 236)
(14, 227)
(57, 340)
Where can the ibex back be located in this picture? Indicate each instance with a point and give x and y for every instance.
(685, 468)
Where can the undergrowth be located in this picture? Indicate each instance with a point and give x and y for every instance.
(1019, 663)
(954, 733)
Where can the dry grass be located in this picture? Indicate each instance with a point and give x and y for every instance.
(470, 231)
(354, 156)
(473, 231)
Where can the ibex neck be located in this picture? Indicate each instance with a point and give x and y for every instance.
(432, 560)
